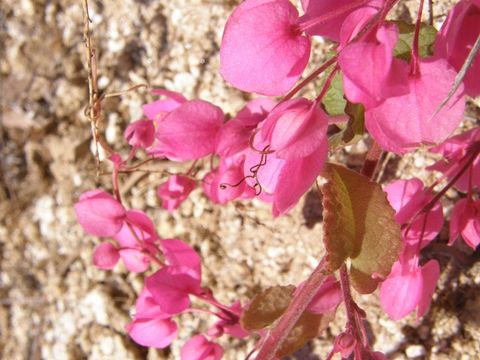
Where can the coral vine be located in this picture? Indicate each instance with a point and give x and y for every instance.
(276, 149)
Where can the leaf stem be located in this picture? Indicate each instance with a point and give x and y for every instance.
(371, 160)
(415, 62)
(310, 78)
(297, 307)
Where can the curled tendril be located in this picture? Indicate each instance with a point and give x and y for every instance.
(265, 150)
(253, 171)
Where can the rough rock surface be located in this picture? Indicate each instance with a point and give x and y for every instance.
(53, 303)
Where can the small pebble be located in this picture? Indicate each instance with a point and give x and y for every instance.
(415, 351)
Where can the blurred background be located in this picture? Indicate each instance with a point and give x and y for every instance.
(53, 303)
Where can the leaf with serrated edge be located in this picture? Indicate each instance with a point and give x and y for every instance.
(266, 307)
(358, 224)
(306, 328)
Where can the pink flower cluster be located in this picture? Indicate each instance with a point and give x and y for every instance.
(275, 149)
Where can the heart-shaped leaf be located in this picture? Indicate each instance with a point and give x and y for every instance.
(267, 307)
(359, 224)
(306, 328)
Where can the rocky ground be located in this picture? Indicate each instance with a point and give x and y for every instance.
(53, 303)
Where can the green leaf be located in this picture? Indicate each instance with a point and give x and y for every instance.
(334, 100)
(353, 131)
(267, 307)
(406, 33)
(359, 224)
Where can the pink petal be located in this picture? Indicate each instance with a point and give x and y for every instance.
(456, 38)
(99, 213)
(457, 222)
(157, 333)
(406, 197)
(142, 226)
(199, 348)
(135, 260)
(140, 133)
(188, 132)
(403, 123)
(401, 292)
(430, 274)
(157, 109)
(178, 253)
(296, 177)
(171, 286)
(261, 51)
(471, 229)
(379, 76)
(328, 297)
(330, 28)
(146, 307)
(105, 256)
(295, 128)
(235, 134)
(354, 23)
(454, 149)
(175, 191)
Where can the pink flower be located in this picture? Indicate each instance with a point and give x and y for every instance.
(262, 50)
(456, 38)
(175, 191)
(188, 132)
(178, 253)
(136, 239)
(171, 287)
(294, 144)
(105, 256)
(378, 76)
(403, 123)
(408, 197)
(227, 182)
(465, 221)
(235, 135)
(151, 326)
(140, 134)
(158, 109)
(454, 150)
(409, 287)
(229, 323)
(330, 28)
(199, 348)
(99, 213)
(328, 297)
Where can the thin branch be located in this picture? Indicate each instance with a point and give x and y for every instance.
(460, 76)
(277, 335)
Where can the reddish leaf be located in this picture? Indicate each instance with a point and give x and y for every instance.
(359, 224)
(306, 328)
(267, 307)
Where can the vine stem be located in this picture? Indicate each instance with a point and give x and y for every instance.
(371, 160)
(310, 77)
(415, 64)
(471, 155)
(297, 307)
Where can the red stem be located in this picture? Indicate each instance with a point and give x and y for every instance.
(310, 77)
(415, 61)
(371, 160)
(326, 85)
(297, 307)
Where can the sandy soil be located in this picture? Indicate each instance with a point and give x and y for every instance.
(53, 303)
